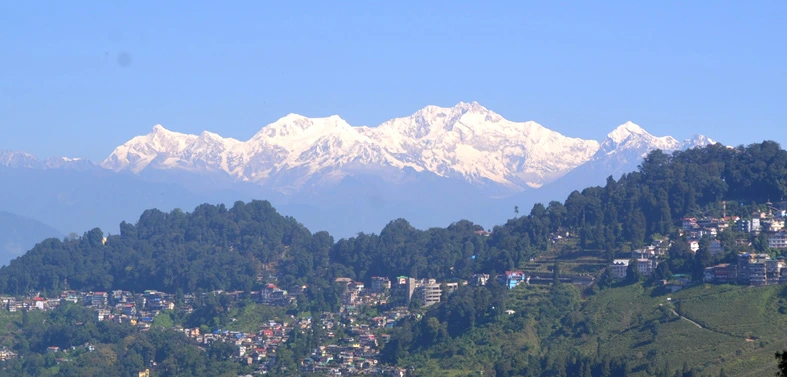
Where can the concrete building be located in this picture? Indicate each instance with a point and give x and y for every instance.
(431, 292)
(380, 284)
(757, 273)
(646, 266)
(619, 268)
(777, 240)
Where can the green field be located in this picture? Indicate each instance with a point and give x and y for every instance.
(741, 327)
(708, 327)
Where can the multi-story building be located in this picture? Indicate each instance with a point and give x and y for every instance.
(619, 268)
(431, 292)
(773, 269)
(721, 273)
(757, 273)
(777, 240)
(380, 284)
(646, 266)
(748, 226)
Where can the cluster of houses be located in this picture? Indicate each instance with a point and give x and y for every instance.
(751, 269)
(258, 348)
(138, 309)
(354, 348)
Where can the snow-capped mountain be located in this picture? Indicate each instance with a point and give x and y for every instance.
(620, 152)
(467, 142)
(25, 160)
(435, 166)
(629, 143)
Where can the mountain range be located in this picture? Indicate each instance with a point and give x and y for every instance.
(436, 166)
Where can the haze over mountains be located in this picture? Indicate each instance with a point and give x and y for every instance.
(18, 234)
(434, 167)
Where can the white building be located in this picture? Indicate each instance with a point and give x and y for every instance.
(646, 266)
(619, 268)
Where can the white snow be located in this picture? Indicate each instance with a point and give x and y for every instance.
(466, 141)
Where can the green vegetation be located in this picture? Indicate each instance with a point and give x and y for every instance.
(629, 325)
(90, 348)
(612, 329)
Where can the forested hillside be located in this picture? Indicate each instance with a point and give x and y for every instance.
(214, 247)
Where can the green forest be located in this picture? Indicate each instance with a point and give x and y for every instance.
(556, 330)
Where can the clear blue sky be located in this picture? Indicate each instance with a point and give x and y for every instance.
(77, 80)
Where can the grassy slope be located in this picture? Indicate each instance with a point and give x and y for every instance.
(730, 315)
(742, 329)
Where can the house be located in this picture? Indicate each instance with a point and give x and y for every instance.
(99, 299)
(451, 287)
(102, 314)
(689, 223)
(272, 294)
(39, 303)
(356, 286)
(649, 253)
(479, 279)
(694, 245)
(619, 268)
(513, 278)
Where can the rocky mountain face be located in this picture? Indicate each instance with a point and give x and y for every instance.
(436, 166)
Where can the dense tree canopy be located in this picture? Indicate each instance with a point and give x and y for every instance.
(214, 247)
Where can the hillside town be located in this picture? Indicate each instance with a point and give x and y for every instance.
(748, 268)
(353, 336)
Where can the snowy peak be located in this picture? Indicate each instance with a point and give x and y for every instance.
(25, 160)
(467, 142)
(625, 131)
(18, 160)
(697, 141)
(631, 137)
(298, 126)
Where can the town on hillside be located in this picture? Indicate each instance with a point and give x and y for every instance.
(352, 337)
(764, 230)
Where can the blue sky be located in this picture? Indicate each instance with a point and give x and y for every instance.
(78, 80)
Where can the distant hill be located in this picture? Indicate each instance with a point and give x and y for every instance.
(19, 234)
